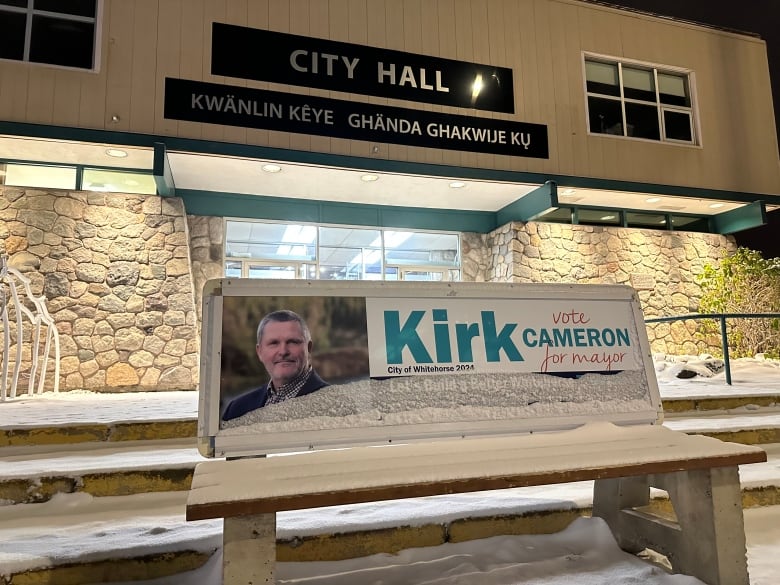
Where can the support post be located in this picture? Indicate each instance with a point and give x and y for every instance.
(249, 550)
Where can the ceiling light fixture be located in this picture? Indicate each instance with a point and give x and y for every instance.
(457, 185)
(271, 168)
(607, 217)
(568, 192)
(116, 152)
(369, 178)
(716, 205)
(653, 200)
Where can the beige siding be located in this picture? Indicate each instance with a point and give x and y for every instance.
(542, 41)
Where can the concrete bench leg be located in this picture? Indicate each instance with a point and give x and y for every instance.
(249, 550)
(708, 538)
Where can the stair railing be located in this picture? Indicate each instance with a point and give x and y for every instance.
(41, 322)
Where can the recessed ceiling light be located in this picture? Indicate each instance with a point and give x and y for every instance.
(716, 205)
(116, 152)
(653, 200)
(457, 185)
(369, 178)
(568, 192)
(269, 168)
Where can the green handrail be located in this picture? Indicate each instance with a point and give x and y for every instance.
(723, 335)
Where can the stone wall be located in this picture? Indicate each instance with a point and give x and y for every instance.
(207, 250)
(115, 272)
(660, 265)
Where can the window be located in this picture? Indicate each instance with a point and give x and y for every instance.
(256, 249)
(54, 32)
(639, 101)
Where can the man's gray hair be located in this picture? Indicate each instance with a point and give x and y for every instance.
(283, 316)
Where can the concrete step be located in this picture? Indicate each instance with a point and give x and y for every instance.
(75, 539)
(68, 418)
(28, 475)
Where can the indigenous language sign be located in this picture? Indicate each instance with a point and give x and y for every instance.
(212, 103)
(451, 336)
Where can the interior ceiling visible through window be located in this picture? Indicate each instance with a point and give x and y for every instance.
(294, 180)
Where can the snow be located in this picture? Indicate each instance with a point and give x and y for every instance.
(39, 534)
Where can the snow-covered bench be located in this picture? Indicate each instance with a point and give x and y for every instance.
(616, 440)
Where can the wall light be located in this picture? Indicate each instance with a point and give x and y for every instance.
(369, 178)
(270, 168)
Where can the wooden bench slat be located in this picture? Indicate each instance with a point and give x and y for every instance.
(363, 474)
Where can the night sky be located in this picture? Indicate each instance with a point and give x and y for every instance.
(755, 16)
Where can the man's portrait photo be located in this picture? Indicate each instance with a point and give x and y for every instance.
(276, 349)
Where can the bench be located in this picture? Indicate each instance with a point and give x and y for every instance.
(624, 454)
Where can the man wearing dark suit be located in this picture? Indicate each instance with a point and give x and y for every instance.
(284, 348)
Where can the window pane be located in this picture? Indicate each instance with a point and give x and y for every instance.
(677, 126)
(649, 220)
(75, 7)
(420, 249)
(12, 39)
(560, 215)
(605, 116)
(40, 176)
(642, 121)
(673, 90)
(423, 276)
(638, 84)
(598, 217)
(691, 224)
(62, 42)
(278, 272)
(602, 78)
(118, 182)
(233, 269)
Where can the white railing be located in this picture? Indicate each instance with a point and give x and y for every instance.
(41, 323)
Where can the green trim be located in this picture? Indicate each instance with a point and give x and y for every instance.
(530, 206)
(162, 171)
(737, 220)
(367, 163)
(290, 209)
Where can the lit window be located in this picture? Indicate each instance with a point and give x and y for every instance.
(639, 101)
(259, 249)
(53, 32)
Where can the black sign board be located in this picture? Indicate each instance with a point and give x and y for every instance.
(264, 55)
(230, 105)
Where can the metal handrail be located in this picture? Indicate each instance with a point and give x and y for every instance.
(723, 334)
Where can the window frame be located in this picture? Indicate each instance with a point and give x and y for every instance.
(449, 271)
(661, 108)
(29, 11)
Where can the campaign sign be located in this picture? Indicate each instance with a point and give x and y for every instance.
(450, 336)
(301, 365)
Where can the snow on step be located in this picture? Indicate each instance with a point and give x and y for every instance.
(723, 423)
(82, 528)
(24, 463)
(82, 407)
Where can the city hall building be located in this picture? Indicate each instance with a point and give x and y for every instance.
(146, 147)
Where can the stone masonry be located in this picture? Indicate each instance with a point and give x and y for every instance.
(115, 272)
(123, 274)
(660, 265)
